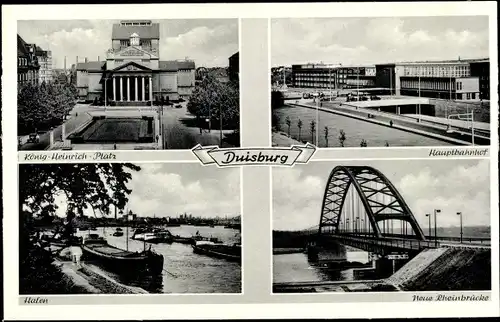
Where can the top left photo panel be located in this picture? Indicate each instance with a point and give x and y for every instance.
(127, 84)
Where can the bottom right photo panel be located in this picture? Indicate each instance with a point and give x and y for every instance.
(382, 225)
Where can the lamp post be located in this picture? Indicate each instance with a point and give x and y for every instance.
(356, 224)
(362, 225)
(429, 215)
(461, 227)
(347, 227)
(436, 211)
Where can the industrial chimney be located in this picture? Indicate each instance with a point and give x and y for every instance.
(85, 59)
(98, 58)
(65, 64)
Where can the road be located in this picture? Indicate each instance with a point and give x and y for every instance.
(181, 131)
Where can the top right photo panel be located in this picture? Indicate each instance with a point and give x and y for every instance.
(380, 82)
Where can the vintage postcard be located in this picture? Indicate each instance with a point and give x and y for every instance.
(253, 161)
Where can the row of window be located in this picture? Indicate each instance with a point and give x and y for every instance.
(433, 85)
(438, 71)
(22, 61)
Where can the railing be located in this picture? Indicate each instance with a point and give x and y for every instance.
(465, 239)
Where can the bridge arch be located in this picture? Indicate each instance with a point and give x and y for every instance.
(369, 183)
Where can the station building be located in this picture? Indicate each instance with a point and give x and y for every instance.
(462, 79)
(132, 73)
(447, 79)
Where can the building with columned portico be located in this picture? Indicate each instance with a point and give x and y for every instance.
(132, 73)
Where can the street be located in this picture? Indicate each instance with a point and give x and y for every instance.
(181, 131)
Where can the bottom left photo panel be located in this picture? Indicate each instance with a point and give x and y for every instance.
(123, 228)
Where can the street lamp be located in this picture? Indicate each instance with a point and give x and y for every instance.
(429, 215)
(461, 227)
(347, 225)
(436, 211)
(356, 224)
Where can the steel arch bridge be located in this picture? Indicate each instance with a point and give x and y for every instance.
(361, 201)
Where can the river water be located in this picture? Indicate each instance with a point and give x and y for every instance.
(296, 268)
(355, 130)
(184, 271)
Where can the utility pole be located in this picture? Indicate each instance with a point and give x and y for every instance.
(461, 227)
(429, 215)
(436, 211)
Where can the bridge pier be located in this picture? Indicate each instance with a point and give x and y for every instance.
(387, 265)
(326, 254)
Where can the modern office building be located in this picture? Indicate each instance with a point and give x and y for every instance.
(132, 73)
(323, 76)
(27, 63)
(448, 79)
(462, 79)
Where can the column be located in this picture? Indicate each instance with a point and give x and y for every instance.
(114, 88)
(121, 88)
(151, 89)
(143, 89)
(136, 96)
(128, 88)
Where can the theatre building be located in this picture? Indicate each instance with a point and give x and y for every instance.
(132, 73)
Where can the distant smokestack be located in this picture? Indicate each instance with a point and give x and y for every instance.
(76, 59)
(98, 58)
(85, 59)
(64, 64)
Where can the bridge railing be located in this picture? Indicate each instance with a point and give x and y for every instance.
(386, 242)
(465, 239)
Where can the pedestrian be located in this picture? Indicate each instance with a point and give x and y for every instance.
(114, 146)
(390, 122)
(157, 138)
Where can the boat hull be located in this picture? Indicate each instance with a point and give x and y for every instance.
(227, 252)
(131, 263)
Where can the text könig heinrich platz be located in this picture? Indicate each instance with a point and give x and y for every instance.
(133, 73)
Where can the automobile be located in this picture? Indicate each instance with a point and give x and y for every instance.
(33, 138)
(178, 106)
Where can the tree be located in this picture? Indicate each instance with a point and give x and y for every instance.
(342, 137)
(218, 100)
(299, 125)
(276, 121)
(312, 126)
(288, 123)
(363, 143)
(41, 107)
(81, 186)
(326, 135)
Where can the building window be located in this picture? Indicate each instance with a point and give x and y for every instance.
(468, 96)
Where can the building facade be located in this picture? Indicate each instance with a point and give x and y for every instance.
(133, 73)
(234, 67)
(451, 79)
(324, 76)
(27, 63)
(45, 61)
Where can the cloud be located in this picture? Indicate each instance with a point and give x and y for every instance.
(459, 189)
(451, 186)
(377, 40)
(296, 199)
(169, 190)
(208, 42)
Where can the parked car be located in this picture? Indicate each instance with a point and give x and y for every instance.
(178, 106)
(34, 138)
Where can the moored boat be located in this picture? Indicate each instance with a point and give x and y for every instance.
(224, 251)
(120, 260)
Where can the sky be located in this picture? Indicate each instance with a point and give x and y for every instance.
(170, 189)
(209, 42)
(352, 41)
(449, 185)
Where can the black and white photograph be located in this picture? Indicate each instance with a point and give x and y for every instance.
(123, 228)
(382, 226)
(127, 84)
(380, 81)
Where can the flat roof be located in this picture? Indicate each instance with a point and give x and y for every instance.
(390, 102)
